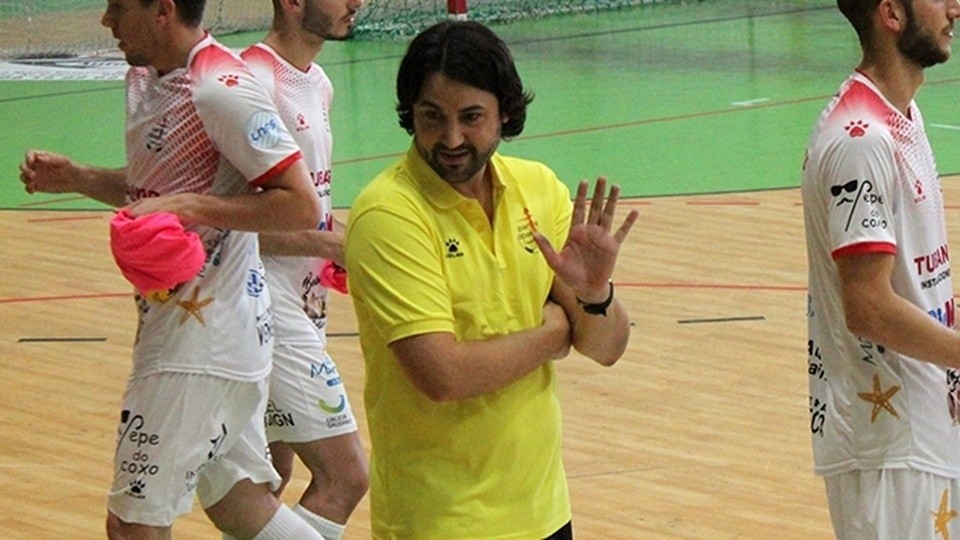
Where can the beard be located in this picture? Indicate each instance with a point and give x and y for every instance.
(322, 25)
(919, 46)
(475, 162)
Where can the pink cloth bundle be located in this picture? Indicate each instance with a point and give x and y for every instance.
(333, 276)
(154, 252)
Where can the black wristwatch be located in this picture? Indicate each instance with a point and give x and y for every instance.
(597, 309)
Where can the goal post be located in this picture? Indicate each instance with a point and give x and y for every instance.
(457, 9)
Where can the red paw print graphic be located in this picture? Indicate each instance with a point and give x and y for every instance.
(302, 123)
(229, 80)
(857, 128)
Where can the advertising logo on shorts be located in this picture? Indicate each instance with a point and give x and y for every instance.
(263, 129)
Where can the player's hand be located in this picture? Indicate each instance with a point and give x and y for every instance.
(180, 204)
(46, 172)
(587, 259)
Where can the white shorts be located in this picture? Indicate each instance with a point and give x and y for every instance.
(893, 504)
(181, 433)
(308, 401)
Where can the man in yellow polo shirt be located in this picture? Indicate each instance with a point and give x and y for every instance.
(463, 303)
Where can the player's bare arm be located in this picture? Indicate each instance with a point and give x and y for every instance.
(307, 243)
(48, 172)
(875, 312)
(286, 202)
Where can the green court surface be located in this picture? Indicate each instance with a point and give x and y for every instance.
(706, 97)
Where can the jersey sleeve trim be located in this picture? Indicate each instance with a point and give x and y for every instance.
(277, 169)
(864, 248)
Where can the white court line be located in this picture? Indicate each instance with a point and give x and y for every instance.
(90, 68)
(749, 102)
(100, 66)
(946, 126)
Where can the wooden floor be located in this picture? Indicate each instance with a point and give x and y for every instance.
(700, 432)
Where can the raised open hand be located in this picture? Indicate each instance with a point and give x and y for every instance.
(588, 257)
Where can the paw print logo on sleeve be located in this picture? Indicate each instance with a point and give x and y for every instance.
(229, 79)
(856, 128)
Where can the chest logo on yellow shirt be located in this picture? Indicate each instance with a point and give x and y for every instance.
(453, 248)
(526, 227)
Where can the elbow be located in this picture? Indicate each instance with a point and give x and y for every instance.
(438, 392)
(610, 357)
(608, 361)
(433, 385)
(606, 351)
(311, 214)
(862, 326)
(863, 321)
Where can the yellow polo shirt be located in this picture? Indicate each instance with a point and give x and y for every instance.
(422, 258)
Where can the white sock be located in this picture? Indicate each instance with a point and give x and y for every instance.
(327, 528)
(285, 525)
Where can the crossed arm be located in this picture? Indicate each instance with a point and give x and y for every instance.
(445, 369)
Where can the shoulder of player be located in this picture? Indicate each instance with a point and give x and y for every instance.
(219, 77)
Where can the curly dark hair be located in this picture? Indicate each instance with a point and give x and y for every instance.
(469, 53)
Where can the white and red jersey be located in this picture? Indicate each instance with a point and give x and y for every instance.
(210, 128)
(870, 185)
(303, 99)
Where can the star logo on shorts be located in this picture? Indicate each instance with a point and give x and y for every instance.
(942, 517)
(192, 307)
(880, 399)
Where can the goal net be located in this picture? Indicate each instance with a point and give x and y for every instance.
(397, 18)
(68, 28)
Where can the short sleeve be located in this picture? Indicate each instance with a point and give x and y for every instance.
(395, 271)
(859, 182)
(239, 116)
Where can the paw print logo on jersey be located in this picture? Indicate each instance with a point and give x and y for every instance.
(302, 124)
(229, 79)
(856, 128)
(453, 248)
